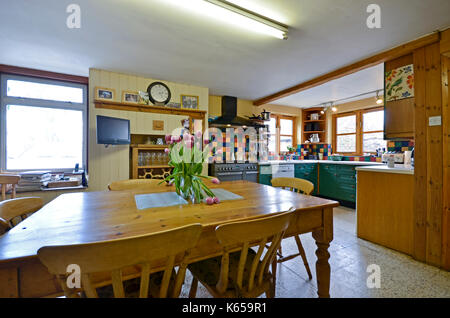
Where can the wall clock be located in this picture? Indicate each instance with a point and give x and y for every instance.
(158, 93)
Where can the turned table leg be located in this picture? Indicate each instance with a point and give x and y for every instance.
(323, 238)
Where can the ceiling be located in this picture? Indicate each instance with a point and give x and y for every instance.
(349, 87)
(158, 39)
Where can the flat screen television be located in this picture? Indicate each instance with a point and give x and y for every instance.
(113, 131)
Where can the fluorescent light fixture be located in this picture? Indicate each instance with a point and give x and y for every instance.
(238, 16)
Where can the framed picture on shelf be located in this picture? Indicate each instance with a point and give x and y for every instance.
(189, 101)
(143, 98)
(105, 93)
(173, 105)
(130, 97)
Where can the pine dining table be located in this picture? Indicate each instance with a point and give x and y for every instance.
(97, 216)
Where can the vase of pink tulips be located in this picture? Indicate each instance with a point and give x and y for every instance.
(187, 159)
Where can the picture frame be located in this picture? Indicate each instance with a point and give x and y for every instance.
(104, 93)
(173, 105)
(132, 97)
(189, 101)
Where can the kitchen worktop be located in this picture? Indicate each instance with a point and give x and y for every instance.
(355, 163)
(399, 168)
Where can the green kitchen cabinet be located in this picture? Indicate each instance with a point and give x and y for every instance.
(327, 180)
(307, 171)
(338, 181)
(265, 174)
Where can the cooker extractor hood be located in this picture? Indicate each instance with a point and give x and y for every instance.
(230, 118)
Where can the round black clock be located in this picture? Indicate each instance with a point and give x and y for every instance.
(158, 93)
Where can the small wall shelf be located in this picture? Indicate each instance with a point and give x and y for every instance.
(314, 126)
(191, 113)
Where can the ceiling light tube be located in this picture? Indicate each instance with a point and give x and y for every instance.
(253, 20)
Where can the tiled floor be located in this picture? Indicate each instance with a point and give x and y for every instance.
(401, 276)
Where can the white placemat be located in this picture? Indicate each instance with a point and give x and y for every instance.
(163, 199)
(225, 195)
(157, 200)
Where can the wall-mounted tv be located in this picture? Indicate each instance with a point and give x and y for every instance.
(113, 131)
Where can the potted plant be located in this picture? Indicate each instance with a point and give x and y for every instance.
(291, 149)
(187, 159)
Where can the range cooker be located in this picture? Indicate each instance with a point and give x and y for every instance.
(234, 171)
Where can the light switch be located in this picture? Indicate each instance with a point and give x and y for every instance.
(434, 121)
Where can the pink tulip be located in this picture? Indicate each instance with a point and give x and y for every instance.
(176, 138)
(188, 144)
(216, 200)
(166, 150)
(168, 138)
(209, 201)
(215, 181)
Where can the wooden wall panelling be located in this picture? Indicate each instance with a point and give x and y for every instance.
(112, 163)
(434, 154)
(445, 42)
(420, 159)
(446, 161)
(428, 157)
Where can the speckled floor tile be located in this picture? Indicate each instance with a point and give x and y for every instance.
(401, 276)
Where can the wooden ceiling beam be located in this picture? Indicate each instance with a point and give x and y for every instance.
(353, 68)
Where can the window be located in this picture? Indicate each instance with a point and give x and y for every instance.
(282, 133)
(43, 124)
(359, 132)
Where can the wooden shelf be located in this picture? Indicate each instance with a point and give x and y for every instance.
(320, 124)
(149, 146)
(194, 113)
(153, 167)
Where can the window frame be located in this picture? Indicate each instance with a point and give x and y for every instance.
(359, 130)
(32, 102)
(279, 135)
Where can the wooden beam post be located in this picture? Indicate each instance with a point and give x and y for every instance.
(428, 156)
(446, 161)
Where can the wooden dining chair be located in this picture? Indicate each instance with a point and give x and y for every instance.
(300, 186)
(15, 210)
(116, 255)
(8, 182)
(135, 184)
(241, 271)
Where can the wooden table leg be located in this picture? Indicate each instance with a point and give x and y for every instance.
(323, 238)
